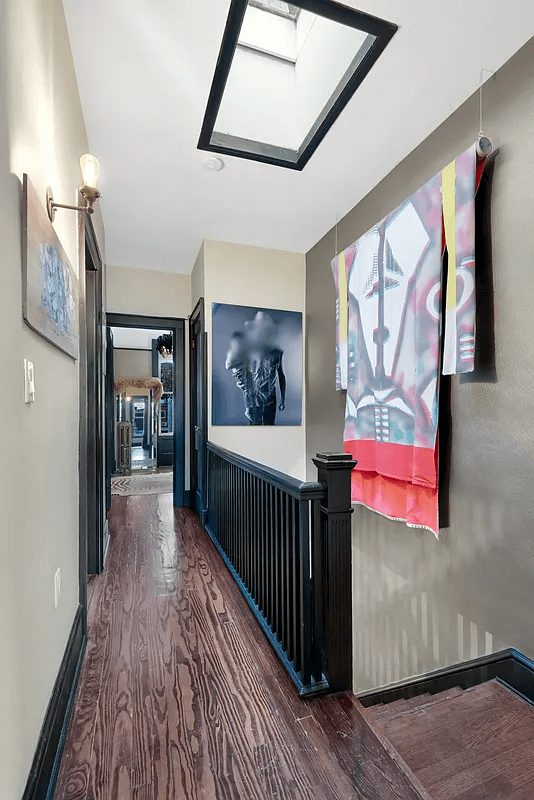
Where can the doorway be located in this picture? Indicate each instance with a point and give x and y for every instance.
(94, 534)
(146, 409)
(198, 409)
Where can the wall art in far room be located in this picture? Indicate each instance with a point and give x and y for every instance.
(256, 366)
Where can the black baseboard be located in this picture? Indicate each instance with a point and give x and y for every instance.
(47, 758)
(510, 666)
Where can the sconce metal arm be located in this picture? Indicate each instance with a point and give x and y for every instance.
(90, 195)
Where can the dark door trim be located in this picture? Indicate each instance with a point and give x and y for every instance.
(89, 258)
(177, 326)
(82, 433)
(95, 461)
(198, 386)
(109, 426)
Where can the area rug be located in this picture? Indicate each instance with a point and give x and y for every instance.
(144, 483)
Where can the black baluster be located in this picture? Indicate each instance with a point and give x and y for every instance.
(283, 568)
(296, 577)
(305, 599)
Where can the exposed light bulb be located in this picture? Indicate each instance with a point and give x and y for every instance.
(90, 170)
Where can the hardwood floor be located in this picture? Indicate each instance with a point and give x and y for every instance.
(181, 697)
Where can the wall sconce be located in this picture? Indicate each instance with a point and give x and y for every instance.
(90, 170)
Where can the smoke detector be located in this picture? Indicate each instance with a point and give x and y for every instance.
(213, 164)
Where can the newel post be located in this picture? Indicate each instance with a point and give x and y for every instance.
(334, 470)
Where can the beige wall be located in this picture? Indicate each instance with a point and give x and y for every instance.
(148, 292)
(42, 133)
(255, 276)
(421, 603)
(133, 363)
(151, 292)
(197, 278)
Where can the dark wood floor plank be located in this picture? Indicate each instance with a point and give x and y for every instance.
(374, 766)
(181, 695)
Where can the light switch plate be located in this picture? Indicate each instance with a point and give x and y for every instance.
(29, 382)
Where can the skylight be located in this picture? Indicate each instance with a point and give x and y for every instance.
(277, 7)
(284, 74)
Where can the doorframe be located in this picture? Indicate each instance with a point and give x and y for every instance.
(97, 534)
(88, 243)
(177, 326)
(201, 354)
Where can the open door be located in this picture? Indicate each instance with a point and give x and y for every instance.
(198, 408)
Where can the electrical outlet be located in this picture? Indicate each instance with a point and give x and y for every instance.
(57, 587)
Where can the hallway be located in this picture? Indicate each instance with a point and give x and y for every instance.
(180, 695)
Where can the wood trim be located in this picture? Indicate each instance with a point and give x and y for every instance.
(177, 325)
(510, 666)
(47, 758)
(82, 434)
(198, 501)
(94, 465)
(139, 321)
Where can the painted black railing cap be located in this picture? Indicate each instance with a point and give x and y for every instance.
(302, 490)
(334, 460)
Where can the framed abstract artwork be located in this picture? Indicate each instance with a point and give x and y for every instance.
(256, 366)
(49, 284)
(165, 374)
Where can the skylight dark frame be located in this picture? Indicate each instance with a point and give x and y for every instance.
(271, 154)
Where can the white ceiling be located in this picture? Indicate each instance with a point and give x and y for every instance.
(145, 69)
(135, 338)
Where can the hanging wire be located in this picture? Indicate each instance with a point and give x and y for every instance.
(484, 146)
(335, 236)
(480, 97)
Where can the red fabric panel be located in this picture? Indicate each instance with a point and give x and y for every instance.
(398, 461)
(400, 500)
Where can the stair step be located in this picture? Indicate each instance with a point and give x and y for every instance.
(398, 706)
(388, 711)
(359, 745)
(476, 745)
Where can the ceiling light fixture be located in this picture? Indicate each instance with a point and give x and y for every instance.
(213, 163)
(90, 173)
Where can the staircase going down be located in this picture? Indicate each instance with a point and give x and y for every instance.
(472, 744)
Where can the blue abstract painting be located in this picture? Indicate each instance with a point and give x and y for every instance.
(50, 285)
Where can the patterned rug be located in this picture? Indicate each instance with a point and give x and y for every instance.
(154, 483)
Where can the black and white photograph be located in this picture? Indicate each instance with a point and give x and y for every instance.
(256, 366)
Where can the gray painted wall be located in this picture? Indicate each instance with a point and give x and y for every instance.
(133, 363)
(421, 603)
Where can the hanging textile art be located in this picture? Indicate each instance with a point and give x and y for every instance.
(388, 341)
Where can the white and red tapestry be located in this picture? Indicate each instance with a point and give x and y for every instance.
(389, 340)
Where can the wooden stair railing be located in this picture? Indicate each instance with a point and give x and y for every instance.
(287, 551)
